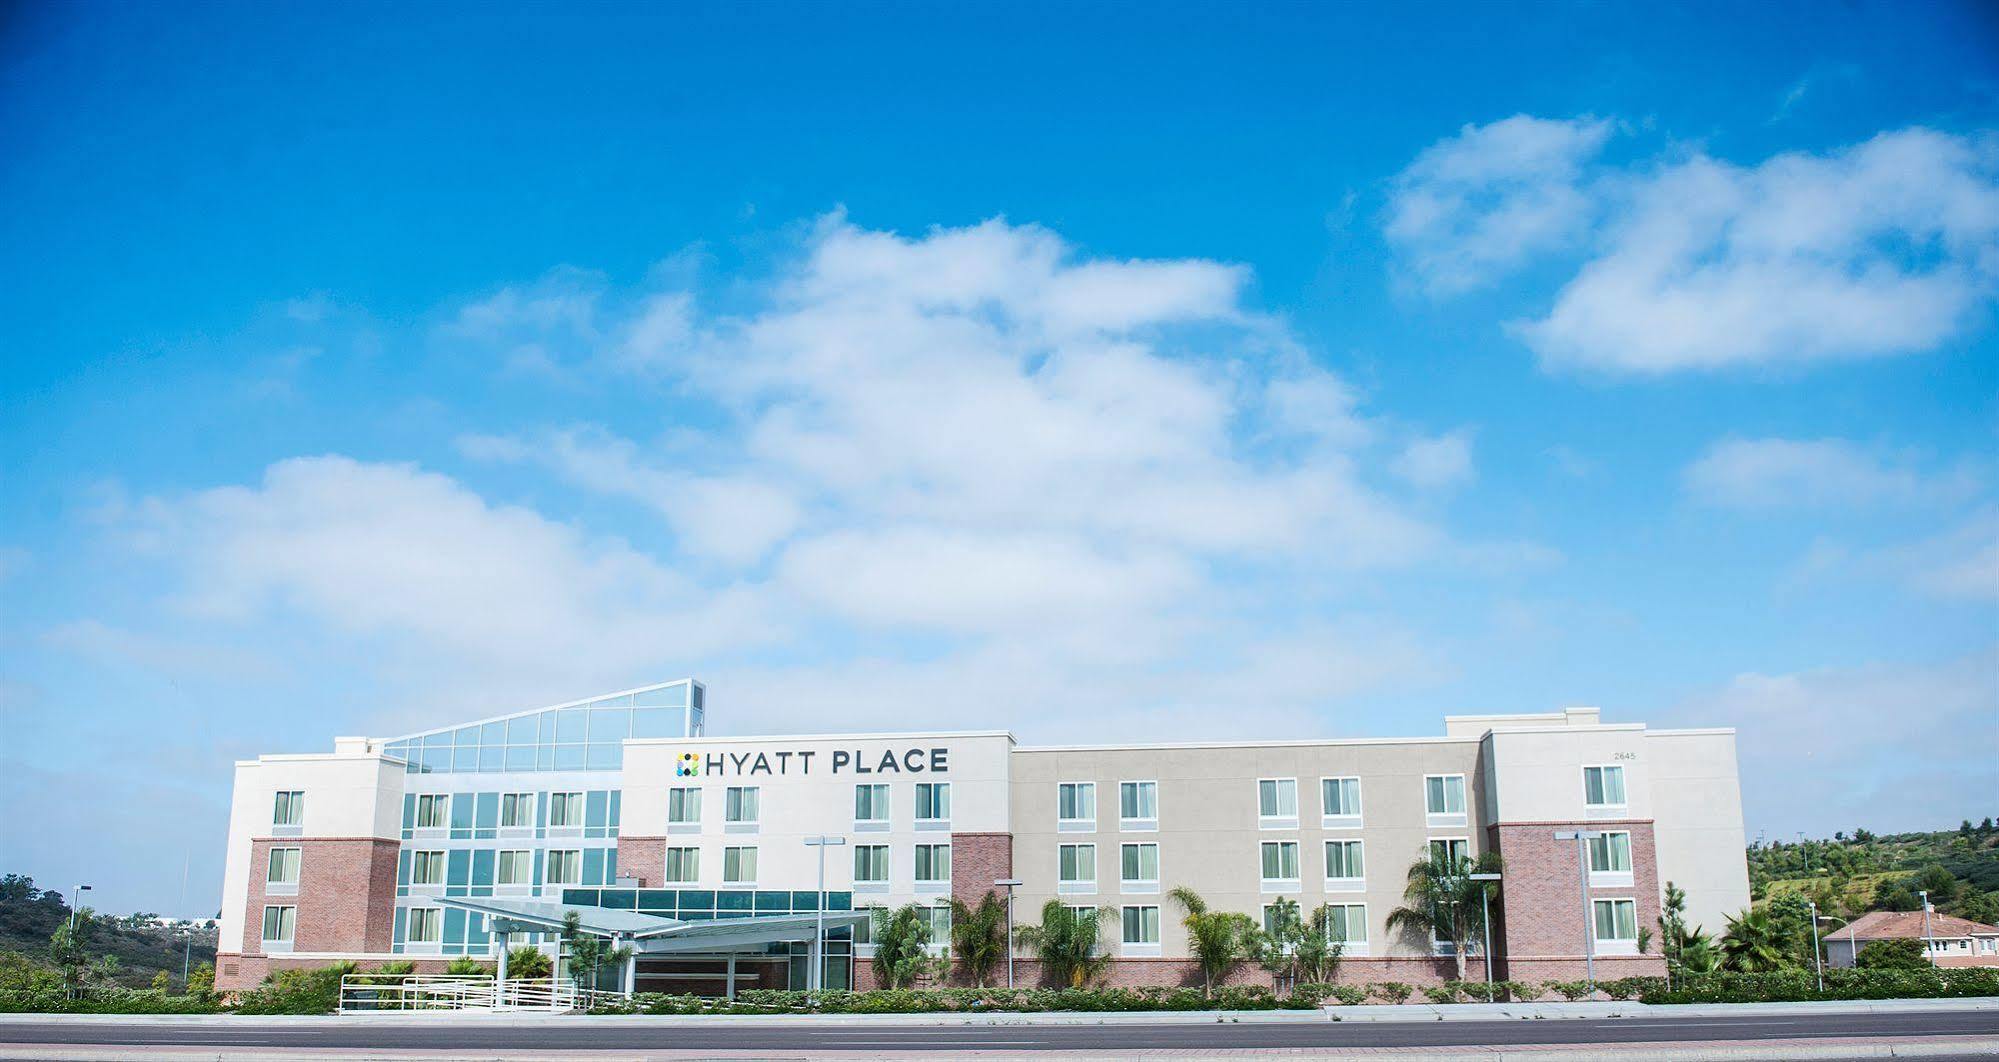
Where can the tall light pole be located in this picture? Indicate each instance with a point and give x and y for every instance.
(1929, 949)
(74, 889)
(817, 976)
(1582, 839)
(1009, 884)
(1818, 964)
(1485, 919)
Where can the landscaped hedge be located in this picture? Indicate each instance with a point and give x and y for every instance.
(971, 1000)
(1794, 985)
(103, 1001)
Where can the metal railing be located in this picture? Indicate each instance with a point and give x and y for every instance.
(368, 993)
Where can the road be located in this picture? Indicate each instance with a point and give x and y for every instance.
(569, 1037)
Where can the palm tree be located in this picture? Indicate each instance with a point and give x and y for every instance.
(1442, 902)
(1755, 943)
(1698, 955)
(978, 935)
(900, 935)
(1219, 940)
(1066, 943)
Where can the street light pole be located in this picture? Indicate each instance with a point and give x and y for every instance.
(1818, 964)
(1485, 919)
(1009, 884)
(1929, 946)
(1582, 839)
(816, 977)
(74, 889)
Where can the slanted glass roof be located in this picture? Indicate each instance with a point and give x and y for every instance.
(585, 735)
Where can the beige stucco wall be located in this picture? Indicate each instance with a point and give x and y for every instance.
(1537, 774)
(1697, 807)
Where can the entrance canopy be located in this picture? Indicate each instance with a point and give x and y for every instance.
(656, 934)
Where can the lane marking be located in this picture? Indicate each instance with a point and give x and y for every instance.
(967, 1042)
(1730, 1024)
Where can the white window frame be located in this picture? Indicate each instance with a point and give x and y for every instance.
(1076, 886)
(1345, 820)
(932, 851)
(292, 858)
(1140, 947)
(1623, 784)
(940, 799)
(287, 917)
(1613, 945)
(523, 808)
(874, 884)
(733, 801)
(432, 812)
(1448, 842)
(881, 823)
(432, 915)
(1077, 824)
(560, 808)
(1351, 946)
(1138, 823)
(690, 808)
(1139, 886)
(689, 871)
(1277, 820)
(523, 862)
(1460, 817)
(1345, 882)
(734, 878)
(939, 916)
(548, 873)
(431, 857)
(1292, 884)
(287, 812)
(1609, 878)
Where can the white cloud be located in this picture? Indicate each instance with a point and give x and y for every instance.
(1436, 463)
(1477, 205)
(1799, 473)
(1961, 563)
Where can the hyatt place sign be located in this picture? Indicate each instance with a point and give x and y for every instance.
(839, 761)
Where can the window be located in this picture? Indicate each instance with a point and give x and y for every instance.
(683, 805)
(426, 925)
(933, 801)
(1077, 870)
(516, 810)
(1610, 853)
(516, 867)
(1347, 924)
(283, 869)
(1076, 803)
(1339, 801)
(739, 866)
(940, 926)
(565, 866)
(427, 868)
(1280, 862)
(1444, 794)
(1138, 803)
(432, 811)
(279, 922)
(1451, 849)
(1141, 925)
(740, 805)
(683, 865)
(871, 804)
(1603, 787)
(1138, 865)
(289, 809)
(933, 864)
(871, 864)
(1616, 920)
(1343, 860)
(565, 809)
(1277, 798)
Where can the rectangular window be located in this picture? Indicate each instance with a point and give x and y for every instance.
(1280, 861)
(1078, 865)
(565, 809)
(1444, 794)
(516, 868)
(933, 864)
(871, 864)
(739, 866)
(565, 866)
(1277, 798)
(1616, 919)
(289, 809)
(433, 811)
(683, 805)
(1138, 802)
(1076, 802)
(283, 869)
(516, 810)
(1348, 923)
(1343, 860)
(739, 805)
(1339, 799)
(1451, 849)
(279, 922)
(683, 865)
(1141, 925)
(427, 868)
(1610, 853)
(1139, 864)
(871, 803)
(426, 925)
(940, 926)
(1603, 787)
(933, 801)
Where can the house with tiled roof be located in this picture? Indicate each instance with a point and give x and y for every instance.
(1952, 941)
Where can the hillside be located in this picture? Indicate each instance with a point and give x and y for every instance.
(1851, 874)
(28, 915)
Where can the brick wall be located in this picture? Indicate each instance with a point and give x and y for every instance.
(346, 895)
(978, 860)
(643, 858)
(240, 973)
(1541, 923)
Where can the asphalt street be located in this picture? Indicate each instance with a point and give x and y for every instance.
(582, 1034)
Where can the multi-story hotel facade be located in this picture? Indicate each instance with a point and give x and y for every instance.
(694, 849)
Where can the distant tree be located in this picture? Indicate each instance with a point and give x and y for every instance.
(69, 950)
(1863, 836)
(588, 953)
(201, 982)
(162, 981)
(1902, 953)
(1894, 894)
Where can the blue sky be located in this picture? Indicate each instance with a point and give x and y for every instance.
(1094, 371)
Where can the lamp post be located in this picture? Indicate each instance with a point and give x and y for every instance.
(1485, 920)
(74, 889)
(1818, 964)
(1009, 884)
(817, 976)
(1582, 839)
(1929, 947)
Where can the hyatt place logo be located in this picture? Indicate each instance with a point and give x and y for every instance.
(687, 765)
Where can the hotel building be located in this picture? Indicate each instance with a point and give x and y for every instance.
(692, 848)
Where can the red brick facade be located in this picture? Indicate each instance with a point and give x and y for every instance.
(643, 858)
(346, 895)
(978, 860)
(1541, 924)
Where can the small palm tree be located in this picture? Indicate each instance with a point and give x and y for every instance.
(900, 936)
(1218, 940)
(1318, 953)
(1441, 901)
(1066, 943)
(978, 935)
(1755, 943)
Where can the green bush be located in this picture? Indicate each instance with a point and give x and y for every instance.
(466, 966)
(1448, 992)
(1629, 987)
(1570, 990)
(1393, 991)
(297, 992)
(1349, 995)
(1521, 991)
(1792, 985)
(1903, 953)
(1482, 992)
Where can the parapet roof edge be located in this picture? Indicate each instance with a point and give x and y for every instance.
(1270, 743)
(877, 736)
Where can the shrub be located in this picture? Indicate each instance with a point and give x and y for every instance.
(297, 992)
(1393, 991)
(1349, 995)
(466, 966)
(1900, 954)
(1790, 985)
(528, 962)
(1569, 990)
(1481, 991)
(1448, 992)
(1521, 991)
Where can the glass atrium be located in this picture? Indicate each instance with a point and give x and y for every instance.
(585, 735)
